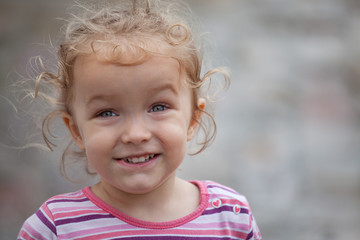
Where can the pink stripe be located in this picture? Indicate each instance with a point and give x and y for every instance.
(73, 196)
(173, 232)
(47, 212)
(67, 197)
(33, 233)
(96, 230)
(76, 213)
(233, 202)
(24, 235)
(72, 208)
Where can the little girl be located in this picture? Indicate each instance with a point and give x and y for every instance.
(128, 90)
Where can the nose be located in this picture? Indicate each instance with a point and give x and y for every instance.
(135, 131)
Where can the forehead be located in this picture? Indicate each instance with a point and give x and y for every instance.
(94, 75)
(93, 65)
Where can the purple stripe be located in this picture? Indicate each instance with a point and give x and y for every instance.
(244, 210)
(223, 209)
(250, 235)
(82, 219)
(42, 218)
(68, 200)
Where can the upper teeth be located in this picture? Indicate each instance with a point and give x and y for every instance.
(139, 159)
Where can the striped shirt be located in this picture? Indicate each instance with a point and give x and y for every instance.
(221, 214)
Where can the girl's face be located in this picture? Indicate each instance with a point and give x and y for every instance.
(132, 121)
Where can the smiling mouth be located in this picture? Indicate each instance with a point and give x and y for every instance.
(142, 159)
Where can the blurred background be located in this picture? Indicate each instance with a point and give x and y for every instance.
(288, 127)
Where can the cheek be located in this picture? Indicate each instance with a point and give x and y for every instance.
(97, 141)
(173, 135)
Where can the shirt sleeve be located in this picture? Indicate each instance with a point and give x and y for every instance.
(39, 226)
(254, 231)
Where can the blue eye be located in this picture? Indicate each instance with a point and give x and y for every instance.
(158, 108)
(105, 114)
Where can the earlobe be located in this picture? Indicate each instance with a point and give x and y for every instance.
(73, 129)
(196, 119)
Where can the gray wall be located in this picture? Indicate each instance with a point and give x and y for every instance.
(288, 127)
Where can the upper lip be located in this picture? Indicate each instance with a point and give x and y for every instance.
(136, 156)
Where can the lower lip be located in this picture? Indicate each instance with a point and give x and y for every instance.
(123, 163)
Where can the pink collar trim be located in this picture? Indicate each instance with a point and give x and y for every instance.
(204, 199)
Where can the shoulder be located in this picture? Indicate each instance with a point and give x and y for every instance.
(42, 224)
(217, 190)
(67, 205)
(72, 198)
(231, 209)
(63, 200)
(225, 199)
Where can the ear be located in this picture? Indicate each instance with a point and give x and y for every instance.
(71, 125)
(194, 123)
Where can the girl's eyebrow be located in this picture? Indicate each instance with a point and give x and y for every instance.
(95, 98)
(150, 91)
(164, 87)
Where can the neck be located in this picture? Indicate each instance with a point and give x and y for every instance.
(159, 205)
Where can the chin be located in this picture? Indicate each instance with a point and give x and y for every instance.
(139, 188)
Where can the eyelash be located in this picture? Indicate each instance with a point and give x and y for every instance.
(101, 114)
(163, 106)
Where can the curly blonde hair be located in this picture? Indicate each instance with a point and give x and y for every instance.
(128, 33)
